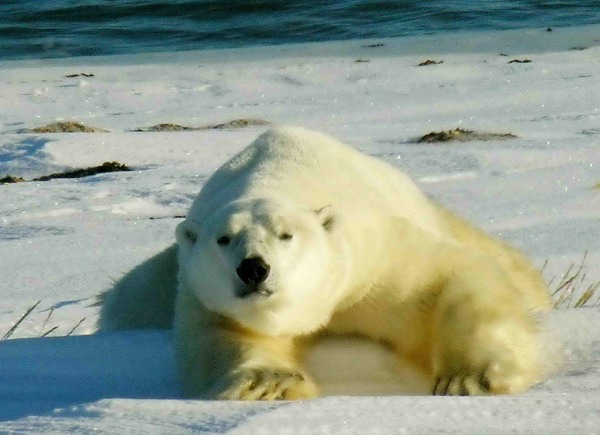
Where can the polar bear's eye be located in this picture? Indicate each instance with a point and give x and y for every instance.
(286, 236)
(190, 235)
(223, 240)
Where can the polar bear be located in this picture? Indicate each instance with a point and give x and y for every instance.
(300, 236)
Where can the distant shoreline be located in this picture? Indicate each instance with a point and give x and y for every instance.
(511, 42)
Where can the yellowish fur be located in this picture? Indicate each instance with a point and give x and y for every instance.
(370, 256)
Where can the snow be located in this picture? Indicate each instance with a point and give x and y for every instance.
(64, 241)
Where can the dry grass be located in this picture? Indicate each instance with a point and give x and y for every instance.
(571, 284)
(43, 332)
(76, 173)
(229, 125)
(66, 127)
(18, 322)
(462, 135)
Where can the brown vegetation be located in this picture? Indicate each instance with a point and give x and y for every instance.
(462, 135)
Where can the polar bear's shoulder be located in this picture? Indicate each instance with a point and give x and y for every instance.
(288, 144)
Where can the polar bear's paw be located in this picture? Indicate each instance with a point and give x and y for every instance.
(269, 384)
(495, 378)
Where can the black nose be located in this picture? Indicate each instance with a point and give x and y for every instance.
(253, 270)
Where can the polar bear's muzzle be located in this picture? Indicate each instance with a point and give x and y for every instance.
(253, 271)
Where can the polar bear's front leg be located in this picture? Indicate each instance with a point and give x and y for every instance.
(485, 337)
(218, 359)
(223, 364)
(262, 368)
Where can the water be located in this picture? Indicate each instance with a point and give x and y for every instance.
(64, 28)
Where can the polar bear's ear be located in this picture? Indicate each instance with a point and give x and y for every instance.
(187, 233)
(327, 217)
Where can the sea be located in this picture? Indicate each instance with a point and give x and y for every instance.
(69, 28)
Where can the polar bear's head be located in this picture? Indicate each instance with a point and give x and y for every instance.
(266, 264)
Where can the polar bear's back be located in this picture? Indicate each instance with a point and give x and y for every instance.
(315, 170)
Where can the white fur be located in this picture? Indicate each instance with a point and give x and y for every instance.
(369, 255)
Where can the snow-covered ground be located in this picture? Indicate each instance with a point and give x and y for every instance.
(63, 241)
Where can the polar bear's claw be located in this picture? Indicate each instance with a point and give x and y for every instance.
(462, 385)
(268, 384)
